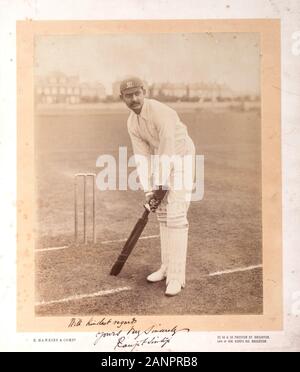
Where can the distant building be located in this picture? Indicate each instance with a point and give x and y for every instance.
(60, 88)
(155, 90)
(169, 89)
(176, 90)
(100, 91)
(197, 90)
(210, 91)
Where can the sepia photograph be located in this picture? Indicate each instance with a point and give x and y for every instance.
(150, 160)
(149, 155)
(100, 100)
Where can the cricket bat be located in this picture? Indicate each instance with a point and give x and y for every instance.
(133, 238)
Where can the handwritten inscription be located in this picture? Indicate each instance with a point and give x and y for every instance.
(127, 334)
(135, 338)
(78, 322)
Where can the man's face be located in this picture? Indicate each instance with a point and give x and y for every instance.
(134, 99)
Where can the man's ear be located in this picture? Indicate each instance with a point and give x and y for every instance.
(121, 97)
(144, 91)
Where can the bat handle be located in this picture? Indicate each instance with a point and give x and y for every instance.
(146, 212)
(147, 207)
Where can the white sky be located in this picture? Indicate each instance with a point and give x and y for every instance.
(225, 58)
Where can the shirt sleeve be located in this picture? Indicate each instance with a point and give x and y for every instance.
(140, 147)
(142, 155)
(165, 121)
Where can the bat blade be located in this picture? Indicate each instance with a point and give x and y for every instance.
(130, 244)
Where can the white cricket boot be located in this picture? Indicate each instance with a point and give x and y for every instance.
(162, 272)
(178, 240)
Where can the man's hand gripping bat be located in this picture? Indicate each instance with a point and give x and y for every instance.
(155, 200)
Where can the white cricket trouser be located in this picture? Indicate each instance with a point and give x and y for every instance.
(172, 215)
(173, 210)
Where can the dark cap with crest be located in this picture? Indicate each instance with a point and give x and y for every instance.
(130, 84)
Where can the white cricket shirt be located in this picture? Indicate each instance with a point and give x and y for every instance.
(157, 130)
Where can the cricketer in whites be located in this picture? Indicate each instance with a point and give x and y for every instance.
(156, 129)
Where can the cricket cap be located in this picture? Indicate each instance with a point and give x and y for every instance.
(130, 84)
